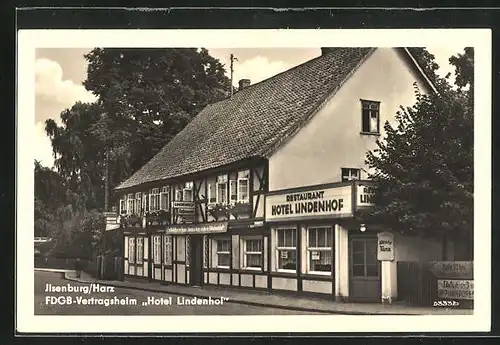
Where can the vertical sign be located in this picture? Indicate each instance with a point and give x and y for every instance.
(385, 246)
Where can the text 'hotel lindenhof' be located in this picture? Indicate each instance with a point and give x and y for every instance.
(261, 190)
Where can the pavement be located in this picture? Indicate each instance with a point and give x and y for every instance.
(267, 300)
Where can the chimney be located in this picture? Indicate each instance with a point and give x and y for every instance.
(326, 50)
(244, 83)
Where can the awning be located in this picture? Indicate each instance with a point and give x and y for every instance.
(208, 228)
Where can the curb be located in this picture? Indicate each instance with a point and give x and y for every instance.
(251, 303)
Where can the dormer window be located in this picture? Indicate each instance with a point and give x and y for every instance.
(370, 117)
(350, 174)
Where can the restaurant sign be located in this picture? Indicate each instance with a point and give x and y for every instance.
(208, 228)
(364, 195)
(452, 269)
(335, 202)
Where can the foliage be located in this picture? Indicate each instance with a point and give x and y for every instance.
(423, 168)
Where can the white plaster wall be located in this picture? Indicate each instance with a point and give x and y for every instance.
(213, 278)
(139, 271)
(341, 262)
(180, 248)
(157, 273)
(205, 277)
(285, 284)
(131, 270)
(317, 286)
(125, 266)
(144, 269)
(246, 280)
(181, 271)
(332, 139)
(168, 275)
(225, 279)
(145, 252)
(235, 279)
(261, 281)
(235, 244)
(125, 247)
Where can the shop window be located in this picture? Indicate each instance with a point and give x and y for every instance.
(286, 249)
(221, 185)
(223, 253)
(370, 117)
(137, 209)
(243, 186)
(157, 250)
(140, 253)
(187, 192)
(320, 250)
(130, 204)
(350, 174)
(252, 253)
(188, 250)
(131, 250)
(164, 204)
(154, 200)
(167, 253)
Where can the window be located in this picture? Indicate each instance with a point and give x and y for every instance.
(130, 204)
(252, 253)
(187, 192)
(157, 250)
(137, 203)
(349, 174)
(165, 205)
(319, 250)
(223, 253)
(140, 253)
(144, 201)
(167, 253)
(188, 250)
(131, 250)
(123, 207)
(243, 186)
(178, 193)
(154, 200)
(233, 191)
(286, 250)
(221, 195)
(212, 198)
(370, 117)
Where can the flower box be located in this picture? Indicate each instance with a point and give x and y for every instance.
(130, 221)
(240, 208)
(158, 218)
(218, 211)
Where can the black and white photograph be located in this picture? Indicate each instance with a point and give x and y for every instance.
(326, 175)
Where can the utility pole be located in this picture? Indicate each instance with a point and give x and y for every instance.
(232, 58)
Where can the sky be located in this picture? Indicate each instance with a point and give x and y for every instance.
(59, 73)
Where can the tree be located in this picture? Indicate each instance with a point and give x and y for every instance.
(423, 169)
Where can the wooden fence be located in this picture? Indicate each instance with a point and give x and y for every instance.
(417, 285)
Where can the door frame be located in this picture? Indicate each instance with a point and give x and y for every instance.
(196, 260)
(356, 236)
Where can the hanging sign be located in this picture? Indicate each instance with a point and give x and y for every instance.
(385, 246)
(364, 195)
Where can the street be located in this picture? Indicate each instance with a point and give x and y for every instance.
(120, 301)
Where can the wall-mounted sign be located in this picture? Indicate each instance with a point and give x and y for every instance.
(209, 228)
(314, 255)
(183, 204)
(364, 195)
(335, 202)
(385, 246)
(452, 269)
(284, 254)
(456, 289)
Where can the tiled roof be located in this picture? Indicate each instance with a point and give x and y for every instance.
(255, 121)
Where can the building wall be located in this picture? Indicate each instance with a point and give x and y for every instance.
(332, 139)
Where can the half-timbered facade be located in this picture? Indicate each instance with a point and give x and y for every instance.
(261, 190)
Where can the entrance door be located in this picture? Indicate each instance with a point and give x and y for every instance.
(196, 260)
(364, 270)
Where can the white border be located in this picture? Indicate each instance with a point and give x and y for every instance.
(29, 40)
